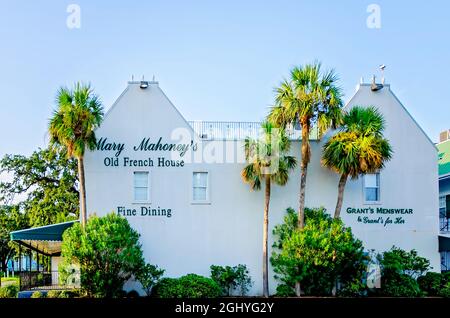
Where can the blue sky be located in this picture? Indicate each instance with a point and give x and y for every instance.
(215, 60)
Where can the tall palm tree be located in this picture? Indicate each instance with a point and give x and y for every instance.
(309, 98)
(357, 149)
(78, 113)
(268, 163)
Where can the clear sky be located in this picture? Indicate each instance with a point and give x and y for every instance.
(215, 60)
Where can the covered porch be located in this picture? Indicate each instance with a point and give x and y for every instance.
(44, 245)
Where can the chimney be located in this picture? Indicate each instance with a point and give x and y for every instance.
(444, 136)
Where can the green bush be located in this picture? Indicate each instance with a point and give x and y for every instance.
(445, 291)
(69, 293)
(107, 252)
(9, 291)
(284, 290)
(53, 294)
(149, 276)
(431, 283)
(325, 252)
(37, 294)
(232, 278)
(399, 272)
(189, 286)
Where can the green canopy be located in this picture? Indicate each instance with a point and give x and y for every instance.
(45, 239)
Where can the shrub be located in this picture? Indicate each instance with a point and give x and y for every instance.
(149, 276)
(431, 283)
(9, 291)
(445, 291)
(53, 294)
(69, 293)
(37, 294)
(399, 272)
(189, 286)
(284, 290)
(231, 278)
(107, 251)
(319, 256)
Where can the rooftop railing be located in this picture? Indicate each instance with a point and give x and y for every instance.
(225, 130)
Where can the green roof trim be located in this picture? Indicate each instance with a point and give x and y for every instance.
(51, 232)
(444, 157)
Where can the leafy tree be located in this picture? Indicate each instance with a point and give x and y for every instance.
(357, 149)
(45, 183)
(268, 163)
(11, 219)
(320, 256)
(79, 112)
(399, 272)
(230, 278)
(149, 276)
(308, 98)
(107, 252)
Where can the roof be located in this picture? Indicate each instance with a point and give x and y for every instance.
(444, 158)
(44, 239)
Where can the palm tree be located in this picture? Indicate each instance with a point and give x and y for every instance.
(268, 163)
(309, 98)
(357, 149)
(78, 113)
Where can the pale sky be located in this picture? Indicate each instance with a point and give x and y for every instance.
(215, 60)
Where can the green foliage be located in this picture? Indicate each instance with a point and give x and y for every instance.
(445, 291)
(399, 272)
(37, 294)
(188, 286)
(53, 294)
(149, 276)
(48, 182)
(79, 112)
(319, 256)
(432, 283)
(107, 251)
(284, 290)
(9, 291)
(232, 278)
(73, 293)
(11, 219)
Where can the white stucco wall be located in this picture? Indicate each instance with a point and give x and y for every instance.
(228, 230)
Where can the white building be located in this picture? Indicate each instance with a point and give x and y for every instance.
(182, 189)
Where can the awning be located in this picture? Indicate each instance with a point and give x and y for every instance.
(444, 243)
(45, 239)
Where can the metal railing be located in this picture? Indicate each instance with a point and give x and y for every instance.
(224, 130)
(39, 280)
(444, 224)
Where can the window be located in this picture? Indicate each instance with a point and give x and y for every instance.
(141, 192)
(200, 187)
(372, 187)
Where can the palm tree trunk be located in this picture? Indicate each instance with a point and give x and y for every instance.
(265, 240)
(340, 198)
(304, 170)
(82, 191)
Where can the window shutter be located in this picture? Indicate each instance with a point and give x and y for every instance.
(447, 206)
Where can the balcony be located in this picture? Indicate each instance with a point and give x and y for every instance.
(444, 225)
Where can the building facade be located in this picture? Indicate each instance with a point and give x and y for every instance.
(179, 184)
(444, 199)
